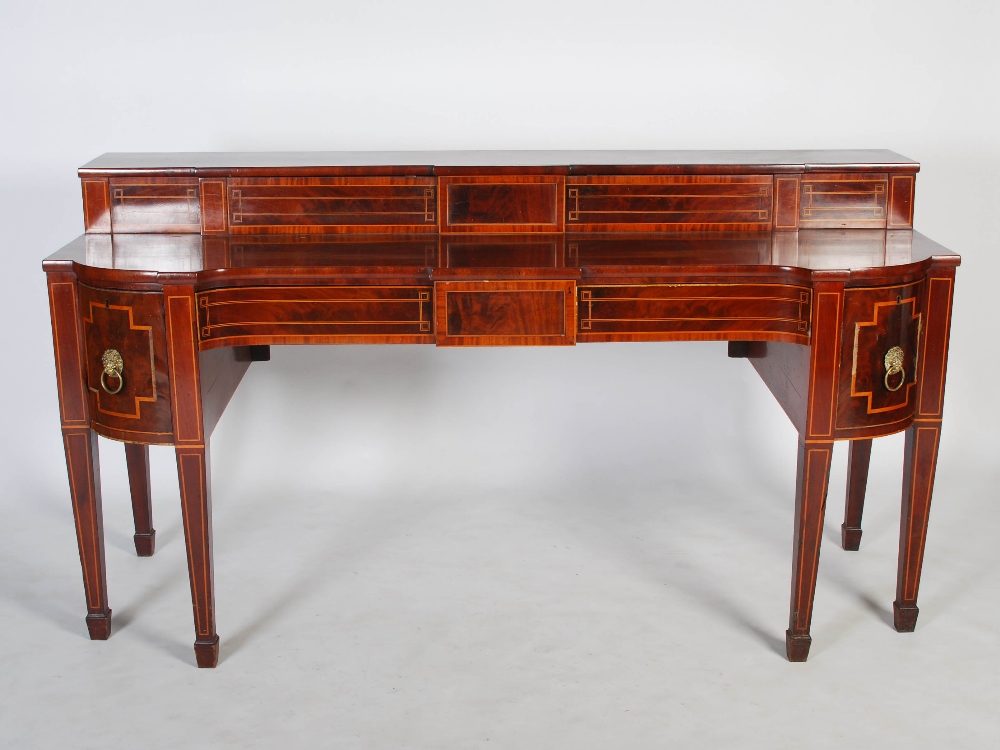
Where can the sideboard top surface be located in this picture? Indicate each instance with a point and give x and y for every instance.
(432, 255)
(438, 162)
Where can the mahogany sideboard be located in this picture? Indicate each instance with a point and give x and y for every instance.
(806, 262)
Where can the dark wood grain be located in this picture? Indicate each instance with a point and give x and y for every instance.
(919, 464)
(787, 193)
(214, 207)
(843, 200)
(858, 458)
(96, 206)
(505, 313)
(315, 315)
(221, 371)
(137, 461)
(194, 479)
(325, 205)
(901, 190)
(876, 320)
(656, 312)
(132, 324)
(155, 204)
(811, 479)
(309, 163)
(522, 203)
(193, 265)
(668, 203)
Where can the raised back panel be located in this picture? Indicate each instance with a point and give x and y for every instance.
(155, 204)
(843, 200)
(502, 204)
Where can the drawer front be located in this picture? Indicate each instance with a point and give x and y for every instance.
(654, 203)
(155, 204)
(332, 204)
(499, 204)
(872, 393)
(844, 200)
(131, 324)
(315, 315)
(505, 313)
(663, 312)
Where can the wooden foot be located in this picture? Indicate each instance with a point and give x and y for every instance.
(812, 477)
(83, 467)
(194, 478)
(207, 653)
(919, 463)
(99, 626)
(137, 460)
(858, 459)
(904, 619)
(797, 646)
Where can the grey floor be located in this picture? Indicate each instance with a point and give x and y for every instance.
(501, 548)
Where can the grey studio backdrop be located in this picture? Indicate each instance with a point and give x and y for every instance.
(584, 547)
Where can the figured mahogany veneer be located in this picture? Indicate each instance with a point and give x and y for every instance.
(651, 312)
(314, 315)
(505, 313)
(805, 262)
(131, 323)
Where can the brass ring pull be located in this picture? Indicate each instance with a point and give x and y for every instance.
(113, 366)
(893, 365)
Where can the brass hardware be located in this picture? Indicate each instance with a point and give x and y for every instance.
(113, 366)
(893, 365)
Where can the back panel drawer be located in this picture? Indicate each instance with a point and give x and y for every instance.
(332, 204)
(502, 203)
(155, 204)
(304, 314)
(665, 202)
(845, 200)
(656, 312)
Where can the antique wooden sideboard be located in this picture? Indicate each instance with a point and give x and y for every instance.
(192, 265)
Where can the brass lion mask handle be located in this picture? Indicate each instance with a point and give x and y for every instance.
(894, 365)
(113, 367)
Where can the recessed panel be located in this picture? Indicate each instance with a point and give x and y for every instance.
(505, 313)
(502, 204)
(668, 202)
(843, 201)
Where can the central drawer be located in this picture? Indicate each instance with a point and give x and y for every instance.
(505, 313)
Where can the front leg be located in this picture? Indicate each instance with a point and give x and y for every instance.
(919, 463)
(194, 478)
(82, 463)
(811, 479)
(193, 475)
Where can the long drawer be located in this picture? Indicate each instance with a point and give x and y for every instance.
(315, 315)
(661, 312)
(668, 202)
(270, 205)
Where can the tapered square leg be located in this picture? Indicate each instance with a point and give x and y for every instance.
(137, 460)
(812, 478)
(194, 478)
(858, 459)
(919, 464)
(83, 467)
